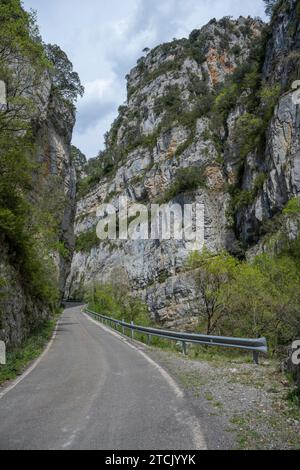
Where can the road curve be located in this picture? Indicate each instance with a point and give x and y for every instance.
(93, 390)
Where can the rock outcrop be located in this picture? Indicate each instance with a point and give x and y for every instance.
(54, 184)
(53, 135)
(167, 126)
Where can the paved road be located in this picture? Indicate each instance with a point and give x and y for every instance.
(92, 390)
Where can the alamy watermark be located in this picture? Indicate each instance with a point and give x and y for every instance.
(296, 353)
(296, 94)
(2, 353)
(3, 100)
(156, 222)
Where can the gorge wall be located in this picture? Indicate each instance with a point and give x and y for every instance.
(220, 104)
(38, 175)
(54, 183)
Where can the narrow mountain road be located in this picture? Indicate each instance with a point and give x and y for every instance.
(94, 390)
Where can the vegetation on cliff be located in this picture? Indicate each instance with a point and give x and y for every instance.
(29, 226)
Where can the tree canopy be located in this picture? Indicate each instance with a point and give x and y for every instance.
(65, 80)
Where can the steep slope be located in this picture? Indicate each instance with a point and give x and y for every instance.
(165, 128)
(277, 164)
(38, 176)
(220, 106)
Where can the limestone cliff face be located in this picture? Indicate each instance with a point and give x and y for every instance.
(20, 313)
(280, 162)
(53, 134)
(54, 184)
(282, 55)
(167, 126)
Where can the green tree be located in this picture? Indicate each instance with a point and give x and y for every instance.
(271, 6)
(115, 300)
(65, 80)
(22, 64)
(19, 34)
(213, 274)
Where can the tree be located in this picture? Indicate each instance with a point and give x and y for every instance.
(213, 275)
(27, 230)
(65, 80)
(270, 6)
(19, 34)
(22, 63)
(263, 299)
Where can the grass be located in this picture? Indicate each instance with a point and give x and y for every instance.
(19, 358)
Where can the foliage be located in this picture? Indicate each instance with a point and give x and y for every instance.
(86, 241)
(19, 358)
(271, 6)
(186, 179)
(30, 205)
(213, 274)
(22, 64)
(16, 217)
(226, 100)
(19, 35)
(249, 299)
(164, 68)
(65, 80)
(115, 300)
(170, 102)
(292, 207)
(249, 132)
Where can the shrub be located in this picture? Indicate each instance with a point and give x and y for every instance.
(249, 299)
(226, 100)
(292, 207)
(249, 134)
(86, 241)
(186, 179)
(170, 102)
(65, 80)
(114, 300)
(212, 275)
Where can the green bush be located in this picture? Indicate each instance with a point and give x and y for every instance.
(115, 300)
(249, 134)
(28, 217)
(186, 179)
(19, 358)
(250, 299)
(226, 100)
(86, 241)
(292, 207)
(170, 102)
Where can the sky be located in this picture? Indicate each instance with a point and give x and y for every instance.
(104, 39)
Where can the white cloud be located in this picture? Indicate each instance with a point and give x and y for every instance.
(104, 40)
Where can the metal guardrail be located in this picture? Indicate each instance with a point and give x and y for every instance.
(256, 346)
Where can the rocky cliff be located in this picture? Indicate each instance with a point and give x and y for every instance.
(218, 103)
(58, 171)
(52, 199)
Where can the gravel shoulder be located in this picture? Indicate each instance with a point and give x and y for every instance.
(240, 405)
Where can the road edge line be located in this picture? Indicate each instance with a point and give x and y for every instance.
(31, 368)
(198, 434)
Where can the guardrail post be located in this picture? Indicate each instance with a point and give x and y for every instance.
(132, 331)
(184, 352)
(149, 340)
(123, 327)
(256, 358)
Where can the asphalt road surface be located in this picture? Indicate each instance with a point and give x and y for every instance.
(95, 390)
